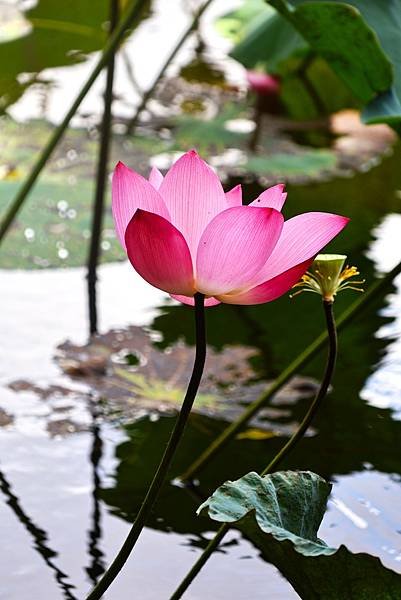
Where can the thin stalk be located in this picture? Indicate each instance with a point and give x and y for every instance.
(112, 44)
(101, 178)
(258, 119)
(324, 386)
(162, 470)
(309, 87)
(295, 366)
(130, 71)
(286, 449)
(147, 95)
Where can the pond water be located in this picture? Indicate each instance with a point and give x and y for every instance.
(70, 481)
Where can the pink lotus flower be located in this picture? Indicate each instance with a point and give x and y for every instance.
(184, 235)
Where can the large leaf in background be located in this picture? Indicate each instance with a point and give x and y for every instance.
(360, 40)
(360, 47)
(385, 19)
(61, 34)
(268, 41)
(337, 32)
(309, 87)
(236, 23)
(281, 513)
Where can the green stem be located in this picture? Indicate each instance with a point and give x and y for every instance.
(295, 366)
(101, 177)
(324, 386)
(258, 119)
(111, 46)
(162, 470)
(286, 449)
(133, 122)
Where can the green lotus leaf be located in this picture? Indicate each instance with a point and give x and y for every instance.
(281, 514)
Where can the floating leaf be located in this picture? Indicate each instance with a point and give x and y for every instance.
(309, 163)
(255, 434)
(281, 513)
(208, 135)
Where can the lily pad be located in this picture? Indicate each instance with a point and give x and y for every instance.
(124, 368)
(281, 513)
(310, 163)
(158, 380)
(208, 135)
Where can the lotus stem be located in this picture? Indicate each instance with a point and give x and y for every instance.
(258, 120)
(324, 386)
(110, 48)
(294, 367)
(101, 178)
(162, 470)
(286, 449)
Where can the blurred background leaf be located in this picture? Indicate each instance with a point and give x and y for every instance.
(329, 55)
(51, 34)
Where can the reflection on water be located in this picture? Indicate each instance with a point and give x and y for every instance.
(72, 496)
(364, 514)
(97, 564)
(383, 387)
(39, 536)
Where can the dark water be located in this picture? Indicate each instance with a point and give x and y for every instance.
(66, 501)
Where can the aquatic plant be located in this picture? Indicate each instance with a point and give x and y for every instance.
(184, 235)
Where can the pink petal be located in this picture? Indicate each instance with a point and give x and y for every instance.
(131, 191)
(270, 290)
(302, 238)
(159, 253)
(193, 195)
(191, 302)
(273, 197)
(234, 196)
(155, 178)
(234, 247)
